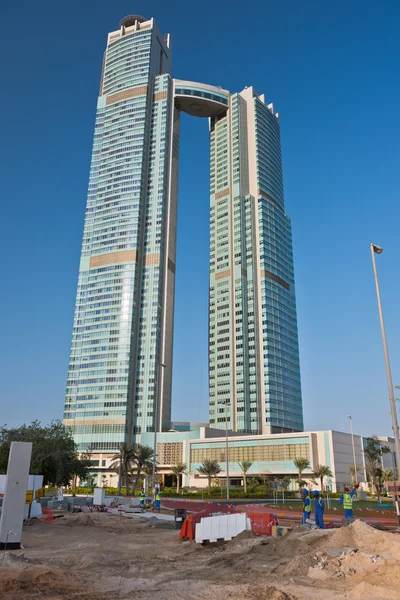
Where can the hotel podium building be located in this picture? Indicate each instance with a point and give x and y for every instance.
(120, 372)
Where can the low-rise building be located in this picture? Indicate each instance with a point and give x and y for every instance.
(270, 455)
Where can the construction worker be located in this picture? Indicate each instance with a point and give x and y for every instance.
(347, 500)
(158, 501)
(319, 509)
(306, 505)
(141, 499)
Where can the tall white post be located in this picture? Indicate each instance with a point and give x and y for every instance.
(12, 515)
(395, 425)
(354, 450)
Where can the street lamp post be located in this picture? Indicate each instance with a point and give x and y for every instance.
(354, 449)
(227, 449)
(395, 426)
(158, 401)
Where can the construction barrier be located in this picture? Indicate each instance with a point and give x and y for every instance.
(188, 529)
(48, 515)
(262, 523)
(221, 527)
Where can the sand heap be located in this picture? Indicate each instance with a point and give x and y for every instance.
(34, 582)
(362, 554)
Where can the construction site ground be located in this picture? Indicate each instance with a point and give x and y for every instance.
(103, 556)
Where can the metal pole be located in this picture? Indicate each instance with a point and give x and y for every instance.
(119, 491)
(396, 500)
(354, 450)
(393, 410)
(227, 450)
(153, 475)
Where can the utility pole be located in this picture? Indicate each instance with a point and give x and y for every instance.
(227, 449)
(378, 250)
(158, 402)
(354, 450)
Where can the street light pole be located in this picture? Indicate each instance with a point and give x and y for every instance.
(395, 426)
(158, 401)
(354, 449)
(227, 449)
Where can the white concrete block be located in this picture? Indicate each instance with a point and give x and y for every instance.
(99, 496)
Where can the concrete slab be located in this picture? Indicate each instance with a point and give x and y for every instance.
(12, 514)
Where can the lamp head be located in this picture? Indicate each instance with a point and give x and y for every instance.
(377, 249)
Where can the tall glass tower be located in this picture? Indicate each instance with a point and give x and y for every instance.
(254, 366)
(123, 322)
(120, 373)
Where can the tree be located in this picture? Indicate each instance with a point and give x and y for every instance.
(143, 458)
(353, 470)
(386, 476)
(122, 463)
(302, 464)
(373, 453)
(245, 466)
(210, 468)
(322, 471)
(178, 470)
(54, 452)
(252, 484)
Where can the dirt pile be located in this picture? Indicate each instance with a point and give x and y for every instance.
(358, 553)
(363, 537)
(34, 582)
(366, 591)
(242, 592)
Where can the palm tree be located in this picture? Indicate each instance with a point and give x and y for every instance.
(353, 470)
(386, 476)
(302, 464)
(210, 468)
(178, 470)
(322, 471)
(121, 463)
(245, 466)
(143, 458)
(373, 452)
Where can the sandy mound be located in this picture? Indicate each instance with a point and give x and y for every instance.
(88, 520)
(365, 591)
(267, 593)
(362, 536)
(243, 535)
(241, 592)
(33, 582)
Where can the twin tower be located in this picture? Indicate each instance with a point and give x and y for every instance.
(120, 373)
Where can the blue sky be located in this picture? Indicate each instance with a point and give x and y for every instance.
(332, 71)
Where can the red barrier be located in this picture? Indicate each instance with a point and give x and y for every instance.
(188, 529)
(261, 523)
(47, 515)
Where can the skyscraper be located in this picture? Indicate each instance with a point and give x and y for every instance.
(120, 373)
(253, 342)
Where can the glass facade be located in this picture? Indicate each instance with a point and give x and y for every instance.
(120, 304)
(253, 342)
(264, 450)
(120, 372)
